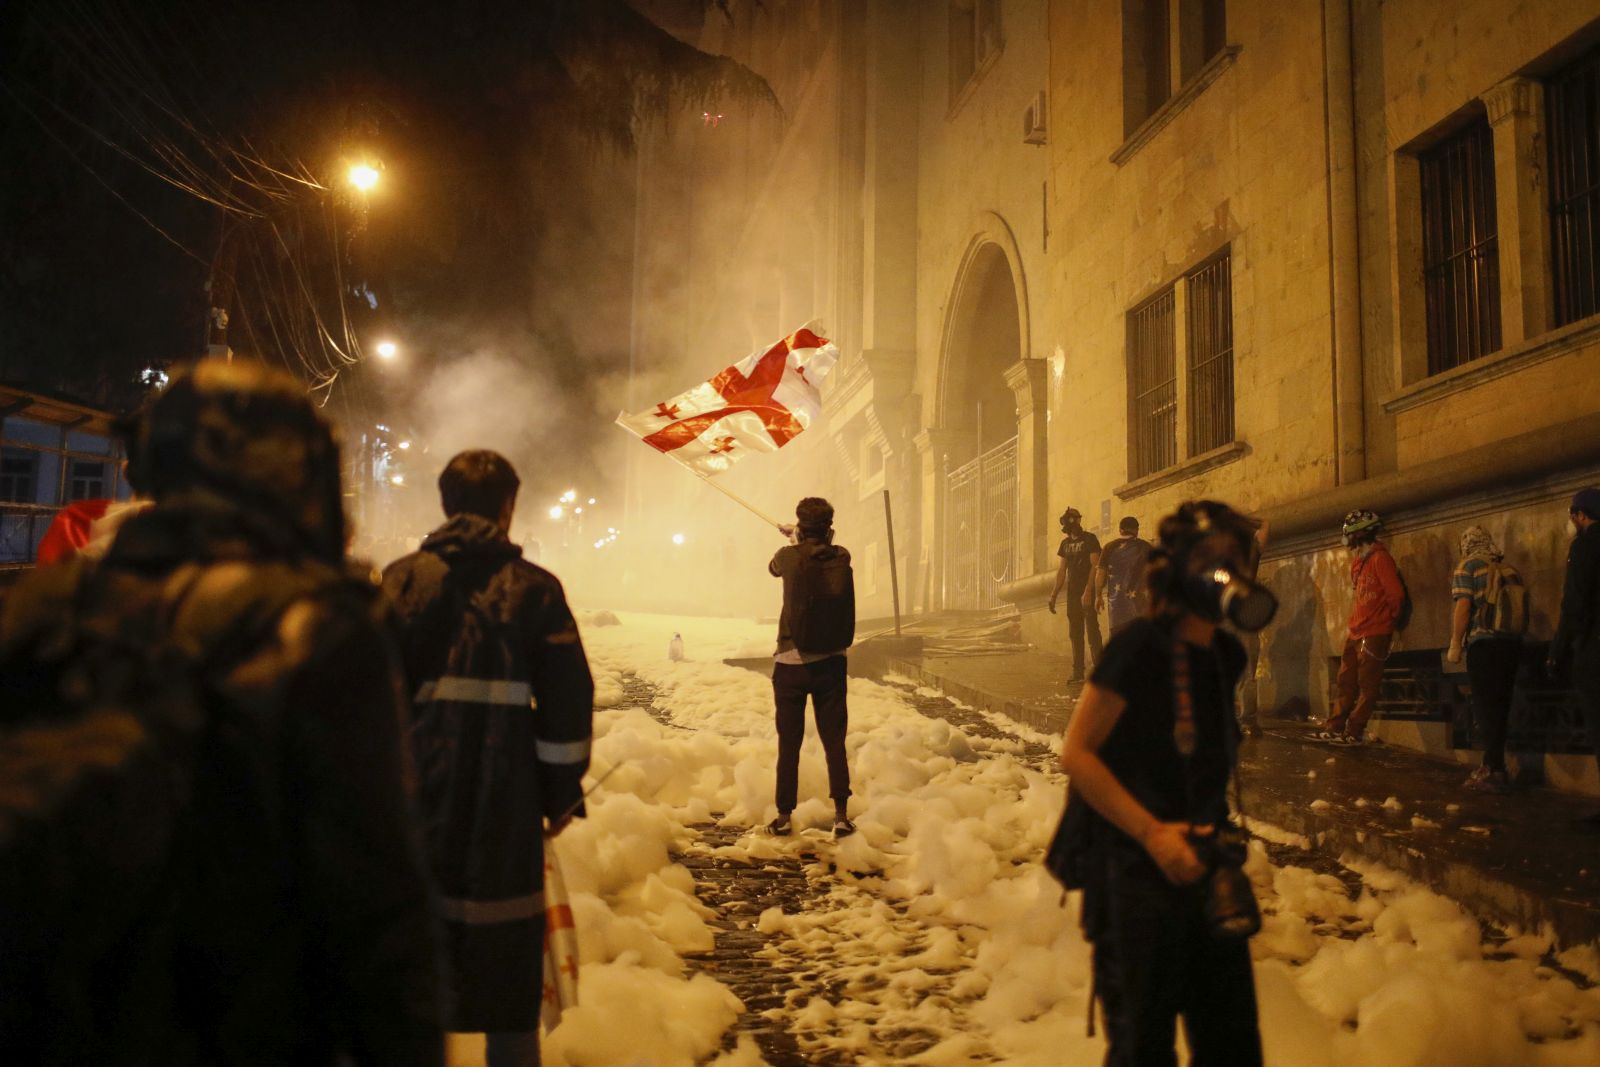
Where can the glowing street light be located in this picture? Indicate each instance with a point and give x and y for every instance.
(677, 539)
(387, 349)
(364, 176)
(569, 496)
(404, 445)
(557, 511)
(398, 479)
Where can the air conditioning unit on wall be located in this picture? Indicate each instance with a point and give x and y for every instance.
(1033, 121)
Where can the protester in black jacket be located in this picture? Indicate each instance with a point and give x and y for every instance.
(502, 707)
(1576, 646)
(1150, 748)
(260, 898)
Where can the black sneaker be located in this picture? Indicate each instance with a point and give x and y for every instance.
(843, 827)
(780, 827)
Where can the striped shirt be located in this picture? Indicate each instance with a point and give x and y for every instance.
(1471, 582)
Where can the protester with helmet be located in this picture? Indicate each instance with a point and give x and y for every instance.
(1080, 556)
(1377, 601)
(1151, 748)
(219, 865)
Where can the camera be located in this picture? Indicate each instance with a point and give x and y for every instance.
(1231, 911)
(1223, 593)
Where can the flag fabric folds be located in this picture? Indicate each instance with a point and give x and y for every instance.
(759, 404)
(560, 943)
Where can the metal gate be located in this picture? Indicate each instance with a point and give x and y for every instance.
(980, 535)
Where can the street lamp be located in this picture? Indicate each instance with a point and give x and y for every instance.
(557, 511)
(387, 349)
(364, 176)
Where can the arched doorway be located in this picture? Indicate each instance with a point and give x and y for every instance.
(980, 539)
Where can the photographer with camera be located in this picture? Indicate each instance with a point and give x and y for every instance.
(1150, 749)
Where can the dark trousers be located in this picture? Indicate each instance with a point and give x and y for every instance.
(824, 683)
(1492, 668)
(1079, 619)
(1154, 960)
(1360, 674)
(512, 1049)
(1586, 687)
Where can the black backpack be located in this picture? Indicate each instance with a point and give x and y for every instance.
(104, 718)
(822, 600)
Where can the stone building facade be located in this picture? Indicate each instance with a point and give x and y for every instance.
(1119, 253)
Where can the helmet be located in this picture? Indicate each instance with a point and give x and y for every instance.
(244, 437)
(1360, 525)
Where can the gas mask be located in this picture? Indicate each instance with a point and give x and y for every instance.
(1221, 593)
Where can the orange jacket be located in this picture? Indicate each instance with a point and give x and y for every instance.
(1378, 593)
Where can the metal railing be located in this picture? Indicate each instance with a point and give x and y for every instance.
(981, 536)
(21, 528)
(1152, 387)
(1460, 249)
(1210, 330)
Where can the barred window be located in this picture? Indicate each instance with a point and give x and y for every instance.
(1152, 387)
(19, 473)
(88, 480)
(1573, 101)
(1209, 309)
(1460, 251)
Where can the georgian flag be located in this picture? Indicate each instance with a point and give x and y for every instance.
(759, 404)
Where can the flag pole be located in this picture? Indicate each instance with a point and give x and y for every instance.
(736, 498)
(724, 490)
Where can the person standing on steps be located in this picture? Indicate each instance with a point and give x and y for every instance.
(815, 631)
(1375, 609)
(1489, 617)
(1080, 555)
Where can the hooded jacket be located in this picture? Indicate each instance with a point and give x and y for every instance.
(500, 727)
(265, 902)
(1580, 594)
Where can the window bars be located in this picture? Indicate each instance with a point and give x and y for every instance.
(1460, 250)
(1152, 387)
(1210, 336)
(1573, 103)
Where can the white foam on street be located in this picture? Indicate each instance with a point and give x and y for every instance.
(957, 931)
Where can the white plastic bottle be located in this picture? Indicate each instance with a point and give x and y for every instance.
(675, 648)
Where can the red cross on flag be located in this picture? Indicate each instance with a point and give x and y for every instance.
(759, 404)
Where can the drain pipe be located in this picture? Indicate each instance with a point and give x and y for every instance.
(1344, 264)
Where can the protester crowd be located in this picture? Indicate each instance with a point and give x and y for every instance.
(259, 808)
(1489, 617)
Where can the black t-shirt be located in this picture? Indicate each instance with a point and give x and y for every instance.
(1137, 666)
(1076, 550)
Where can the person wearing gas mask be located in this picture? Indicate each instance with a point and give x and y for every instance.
(1080, 555)
(1575, 649)
(1375, 610)
(1150, 749)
